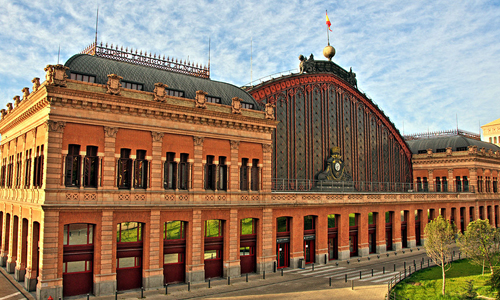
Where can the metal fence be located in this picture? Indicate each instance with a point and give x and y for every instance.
(307, 185)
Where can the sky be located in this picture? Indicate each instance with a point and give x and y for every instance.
(426, 64)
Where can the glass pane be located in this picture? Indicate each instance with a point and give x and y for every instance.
(171, 258)
(370, 219)
(308, 223)
(247, 226)
(331, 221)
(212, 228)
(175, 230)
(282, 224)
(76, 266)
(352, 220)
(65, 242)
(126, 262)
(78, 234)
(211, 254)
(130, 232)
(244, 251)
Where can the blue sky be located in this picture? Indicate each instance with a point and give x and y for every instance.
(422, 62)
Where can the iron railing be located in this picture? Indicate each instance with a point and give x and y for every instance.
(307, 185)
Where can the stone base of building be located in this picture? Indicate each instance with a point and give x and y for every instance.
(381, 249)
(30, 284)
(153, 282)
(3, 261)
(397, 246)
(55, 292)
(363, 252)
(195, 276)
(19, 275)
(343, 255)
(234, 271)
(321, 259)
(265, 266)
(412, 244)
(295, 262)
(11, 267)
(104, 288)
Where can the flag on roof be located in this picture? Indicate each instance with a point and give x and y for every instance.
(328, 23)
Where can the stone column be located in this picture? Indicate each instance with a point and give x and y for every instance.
(154, 275)
(234, 174)
(22, 249)
(266, 242)
(109, 160)
(4, 251)
(195, 264)
(267, 151)
(430, 180)
(363, 249)
(198, 164)
(13, 238)
(452, 187)
(232, 266)
(30, 279)
(156, 161)
(410, 228)
(53, 154)
(49, 280)
(396, 230)
(380, 231)
(423, 222)
(296, 240)
(105, 277)
(343, 235)
(321, 239)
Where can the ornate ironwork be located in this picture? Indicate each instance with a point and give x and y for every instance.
(443, 133)
(151, 60)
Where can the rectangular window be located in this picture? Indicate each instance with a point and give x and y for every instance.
(426, 184)
(213, 228)
(38, 168)
(91, 167)
(174, 93)
(124, 169)
(173, 258)
(128, 232)
(244, 251)
(388, 217)
(174, 230)
(255, 175)
(19, 163)
(353, 220)
(27, 169)
(170, 172)
(244, 174)
(73, 162)
(282, 224)
(222, 185)
(77, 266)
(10, 171)
(81, 77)
(247, 226)
(132, 86)
(459, 184)
(213, 99)
(331, 221)
(184, 172)
(128, 262)
(212, 254)
(247, 105)
(141, 170)
(210, 173)
(465, 184)
(444, 184)
(309, 223)
(438, 184)
(4, 171)
(78, 234)
(371, 218)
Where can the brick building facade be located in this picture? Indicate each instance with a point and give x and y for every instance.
(121, 174)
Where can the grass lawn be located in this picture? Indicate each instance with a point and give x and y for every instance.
(427, 284)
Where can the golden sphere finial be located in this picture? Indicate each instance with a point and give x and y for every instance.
(329, 52)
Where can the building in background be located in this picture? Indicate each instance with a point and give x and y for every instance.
(124, 170)
(491, 132)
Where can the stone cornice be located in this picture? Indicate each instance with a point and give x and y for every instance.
(15, 118)
(65, 97)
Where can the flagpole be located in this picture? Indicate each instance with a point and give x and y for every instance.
(327, 33)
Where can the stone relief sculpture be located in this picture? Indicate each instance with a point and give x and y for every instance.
(17, 101)
(26, 93)
(114, 85)
(201, 99)
(56, 75)
(160, 92)
(269, 111)
(36, 83)
(236, 109)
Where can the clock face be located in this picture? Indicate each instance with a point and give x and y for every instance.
(337, 166)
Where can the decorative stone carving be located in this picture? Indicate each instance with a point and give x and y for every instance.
(55, 126)
(17, 101)
(160, 92)
(267, 148)
(236, 105)
(448, 151)
(429, 152)
(56, 75)
(473, 149)
(483, 150)
(114, 85)
(269, 111)
(26, 93)
(3, 112)
(36, 83)
(9, 107)
(110, 131)
(234, 145)
(198, 140)
(201, 99)
(157, 136)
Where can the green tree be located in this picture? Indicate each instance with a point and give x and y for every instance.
(440, 239)
(481, 243)
(469, 292)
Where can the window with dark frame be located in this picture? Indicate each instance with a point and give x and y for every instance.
(222, 180)
(4, 171)
(282, 224)
(73, 162)
(438, 184)
(141, 170)
(212, 99)
(213, 228)
(132, 86)
(210, 173)
(10, 171)
(91, 167)
(247, 105)
(38, 167)
(465, 183)
(244, 174)
(19, 163)
(170, 172)
(174, 93)
(129, 232)
(27, 169)
(124, 169)
(184, 172)
(82, 77)
(255, 175)
(174, 230)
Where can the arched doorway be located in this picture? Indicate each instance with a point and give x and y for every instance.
(174, 251)
(129, 238)
(78, 258)
(214, 248)
(248, 245)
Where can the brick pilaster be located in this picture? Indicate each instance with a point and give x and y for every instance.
(109, 161)
(198, 164)
(156, 162)
(267, 151)
(234, 170)
(52, 169)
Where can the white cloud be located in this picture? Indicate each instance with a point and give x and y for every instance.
(423, 63)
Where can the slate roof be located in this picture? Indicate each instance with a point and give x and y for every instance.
(454, 142)
(100, 68)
